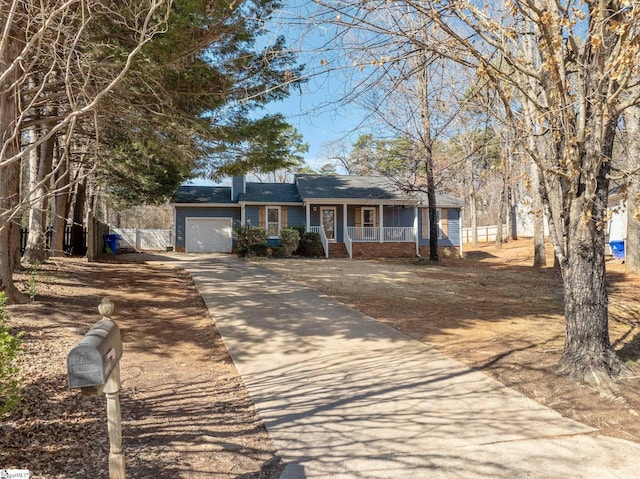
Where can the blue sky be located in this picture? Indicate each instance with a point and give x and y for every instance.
(320, 126)
(316, 110)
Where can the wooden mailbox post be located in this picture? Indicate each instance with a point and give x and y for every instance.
(93, 366)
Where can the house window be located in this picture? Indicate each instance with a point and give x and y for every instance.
(442, 225)
(273, 221)
(369, 217)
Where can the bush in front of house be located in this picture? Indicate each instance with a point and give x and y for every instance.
(300, 229)
(251, 241)
(277, 252)
(289, 240)
(259, 249)
(310, 244)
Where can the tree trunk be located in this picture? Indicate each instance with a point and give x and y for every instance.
(77, 228)
(632, 246)
(61, 205)
(427, 143)
(501, 212)
(539, 252)
(36, 250)
(513, 215)
(433, 214)
(588, 355)
(9, 176)
(473, 204)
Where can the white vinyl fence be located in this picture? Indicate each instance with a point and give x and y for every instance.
(485, 233)
(144, 239)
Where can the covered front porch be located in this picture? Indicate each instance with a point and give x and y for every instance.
(357, 224)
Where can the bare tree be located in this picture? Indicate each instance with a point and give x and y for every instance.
(587, 57)
(56, 65)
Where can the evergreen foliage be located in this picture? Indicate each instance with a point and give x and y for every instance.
(188, 105)
(289, 240)
(251, 240)
(310, 244)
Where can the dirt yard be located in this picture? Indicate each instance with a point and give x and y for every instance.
(494, 312)
(185, 411)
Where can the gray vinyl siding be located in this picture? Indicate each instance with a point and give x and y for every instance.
(200, 212)
(453, 234)
(295, 217)
(237, 187)
(251, 215)
(452, 238)
(398, 216)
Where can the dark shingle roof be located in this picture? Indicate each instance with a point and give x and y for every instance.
(271, 193)
(363, 187)
(442, 200)
(311, 187)
(347, 187)
(203, 194)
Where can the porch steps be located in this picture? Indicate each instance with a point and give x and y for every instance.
(338, 250)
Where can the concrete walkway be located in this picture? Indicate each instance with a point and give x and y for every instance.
(344, 396)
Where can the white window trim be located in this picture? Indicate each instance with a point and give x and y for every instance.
(373, 210)
(267, 222)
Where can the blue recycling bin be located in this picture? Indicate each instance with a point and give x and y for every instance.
(112, 242)
(617, 249)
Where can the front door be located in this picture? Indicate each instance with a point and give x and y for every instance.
(328, 218)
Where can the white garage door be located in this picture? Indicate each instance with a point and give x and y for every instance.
(208, 235)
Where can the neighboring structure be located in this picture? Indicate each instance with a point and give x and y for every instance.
(356, 216)
(617, 223)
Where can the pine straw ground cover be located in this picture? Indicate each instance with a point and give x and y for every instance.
(185, 411)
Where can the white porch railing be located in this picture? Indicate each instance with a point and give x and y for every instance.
(399, 234)
(323, 238)
(394, 234)
(348, 243)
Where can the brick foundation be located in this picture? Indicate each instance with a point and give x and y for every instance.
(384, 250)
(443, 252)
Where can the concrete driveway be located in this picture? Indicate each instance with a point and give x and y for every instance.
(344, 396)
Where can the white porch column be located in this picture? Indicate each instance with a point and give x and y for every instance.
(461, 240)
(344, 221)
(416, 229)
(243, 216)
(308, 218)
(381, 223)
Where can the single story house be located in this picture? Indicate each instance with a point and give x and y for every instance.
(356, 216)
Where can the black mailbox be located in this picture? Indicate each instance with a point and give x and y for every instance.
(91, 361)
